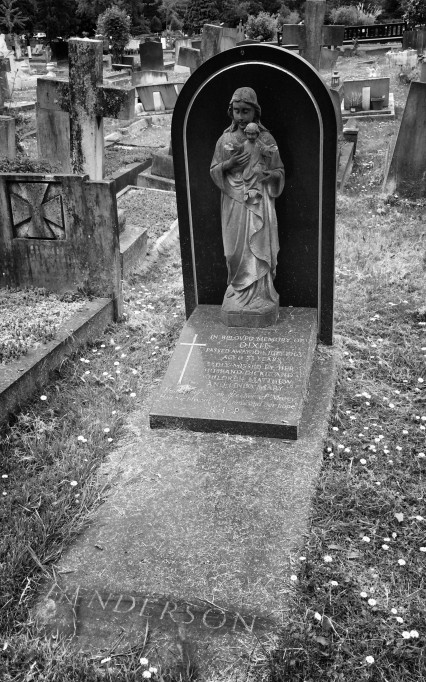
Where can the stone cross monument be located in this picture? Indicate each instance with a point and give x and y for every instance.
(70, 113)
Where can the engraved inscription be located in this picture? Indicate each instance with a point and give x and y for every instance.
(235, 372)
(90, 606)
(37, 210)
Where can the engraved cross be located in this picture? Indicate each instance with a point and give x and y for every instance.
(191, 348)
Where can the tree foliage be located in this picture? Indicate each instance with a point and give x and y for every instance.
(11, 18)
(200, 12)
(57, 18)
(262, 27)
(414, 11)
(115, 24)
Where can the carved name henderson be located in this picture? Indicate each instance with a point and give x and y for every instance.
(156, 609)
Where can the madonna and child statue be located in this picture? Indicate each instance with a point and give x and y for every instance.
(248, 170)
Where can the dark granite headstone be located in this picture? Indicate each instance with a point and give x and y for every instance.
(151, 54)
(298, 110)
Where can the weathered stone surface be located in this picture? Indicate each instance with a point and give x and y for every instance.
(209, 523)
(59, 232)
(238, 380)
(149, 77)
(406, 173)
(19, 379)
(70, 114)
(4, 85)
(7, 137)
(162, 165)
(314, 19)
(133, 248)
(353, 89)
(167, 93)
(148, 179)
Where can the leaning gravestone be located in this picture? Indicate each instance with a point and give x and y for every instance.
(232, 371)
(406, 173)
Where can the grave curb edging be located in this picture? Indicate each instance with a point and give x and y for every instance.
(33, 370)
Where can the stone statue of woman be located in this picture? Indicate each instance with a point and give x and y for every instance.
(248, 170)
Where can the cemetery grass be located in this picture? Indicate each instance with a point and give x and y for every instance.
(358, 586)
(51, 470)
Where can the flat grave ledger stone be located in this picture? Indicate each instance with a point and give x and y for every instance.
(239, 380)
(278, 233)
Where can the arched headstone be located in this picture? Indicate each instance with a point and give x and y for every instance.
(252, 381)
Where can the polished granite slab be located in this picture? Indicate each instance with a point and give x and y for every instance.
(238, 380)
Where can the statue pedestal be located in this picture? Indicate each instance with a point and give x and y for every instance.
(265, 317)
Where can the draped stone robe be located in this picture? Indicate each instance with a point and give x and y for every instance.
(249, 229)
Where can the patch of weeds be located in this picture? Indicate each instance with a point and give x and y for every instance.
(31, 317)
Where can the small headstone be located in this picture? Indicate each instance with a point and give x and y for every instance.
(162, 165)
(151, 56)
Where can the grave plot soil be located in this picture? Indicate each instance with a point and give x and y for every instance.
(31, 317)
(150, 209)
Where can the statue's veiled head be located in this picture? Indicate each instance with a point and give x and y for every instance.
(245, 96)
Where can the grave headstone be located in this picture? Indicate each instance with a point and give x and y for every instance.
(250, 380)
(312, 36)
(4, 50)
(151, 56)
(4, 84)
(353, 91)
(314, 20)
(147, 77)
(214, 40)
(70, 114)
(7, 137)
(60, 232)
(406, 174)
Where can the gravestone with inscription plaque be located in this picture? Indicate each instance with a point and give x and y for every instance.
(257, 252)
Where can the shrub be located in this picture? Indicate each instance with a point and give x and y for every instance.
(156, 25)
(414, 11)
(351, 15)
(287, 16)
(346, 14)
(115, 24)
(198, 13)
(263, 27)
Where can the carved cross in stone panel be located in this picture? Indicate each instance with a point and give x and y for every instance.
(37, 211)
(191, 348)
(87, 102)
